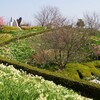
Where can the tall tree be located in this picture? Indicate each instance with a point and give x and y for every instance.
(49, 17)
(62, 46)
(92, 21)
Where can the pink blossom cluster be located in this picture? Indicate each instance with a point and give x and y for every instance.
(1, 21)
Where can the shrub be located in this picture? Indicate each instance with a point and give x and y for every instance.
(9, 29)
(56, 47)
(97, 63)
(73, 68)
(5, 37)
(93, 64)
(78, 71)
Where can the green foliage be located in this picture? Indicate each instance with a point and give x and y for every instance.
(93, 65)
(85, 88)
(21, 51)
(73, 67)
(38, 28)
(86, 70)
(62, 46)
(17, 32)
(34, 28)
(18, 50)
(21, 86)
(9, 29)
(5, 37)
(97, 63)
(95, 40)
(97, 33)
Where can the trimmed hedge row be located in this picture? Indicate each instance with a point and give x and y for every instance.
(81, 70)
(33, 28)
(7, 29)
(93, 64)
(87, 89)
(5, 38)
(22, 37)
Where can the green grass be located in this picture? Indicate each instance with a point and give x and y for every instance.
(96, 38)
(19, 32)
(17, 50)
(21, 49)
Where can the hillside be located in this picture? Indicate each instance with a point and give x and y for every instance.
(18, 47)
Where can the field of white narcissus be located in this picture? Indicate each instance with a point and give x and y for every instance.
(17, 85)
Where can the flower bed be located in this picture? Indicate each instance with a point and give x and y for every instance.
(17, 85)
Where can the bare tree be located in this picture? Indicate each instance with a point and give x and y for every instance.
(49, 17)
(62, 46)
(92, 20)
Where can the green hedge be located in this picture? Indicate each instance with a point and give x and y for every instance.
(22, 37)
(88, 89)
(86, 70)
(9, 29)
(93, 64)
(34, 28)
(5, 37)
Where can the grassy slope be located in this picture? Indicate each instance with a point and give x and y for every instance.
(20, 51)
(13, 34)
(71, 69)
(5, 38)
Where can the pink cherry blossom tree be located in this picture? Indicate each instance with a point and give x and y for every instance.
(1, 21)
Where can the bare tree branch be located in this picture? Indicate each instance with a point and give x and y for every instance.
(50, 17)
(92, 20)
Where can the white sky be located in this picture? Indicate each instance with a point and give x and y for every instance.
(27, 8)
